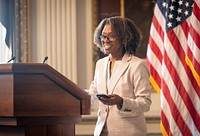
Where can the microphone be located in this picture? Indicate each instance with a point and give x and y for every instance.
(45, 59)
(13, 58)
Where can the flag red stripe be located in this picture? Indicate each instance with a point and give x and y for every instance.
(154, 73)
(196, 10)
(165, 123)
(195, 36)
(158, 28)
(177, 46)
(185, 28)
(155, 49)
(175, 112)
(194, 61)
(182, 92)
(178, 82)
(181, 54)
(191, 57)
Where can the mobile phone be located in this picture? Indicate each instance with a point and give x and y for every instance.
(100, 96)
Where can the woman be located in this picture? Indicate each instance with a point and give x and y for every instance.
(123, 77)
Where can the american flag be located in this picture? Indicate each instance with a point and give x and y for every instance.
(173, 57)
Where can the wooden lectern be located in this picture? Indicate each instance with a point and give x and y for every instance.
(36, 100)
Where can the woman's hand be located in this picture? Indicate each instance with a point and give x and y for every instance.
(113, 100)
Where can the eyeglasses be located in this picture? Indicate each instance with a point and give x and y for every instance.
(110, 38)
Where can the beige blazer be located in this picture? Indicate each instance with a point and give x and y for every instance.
(131, 82)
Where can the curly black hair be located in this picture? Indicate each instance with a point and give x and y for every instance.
(126, 30)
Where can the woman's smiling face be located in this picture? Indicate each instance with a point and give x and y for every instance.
(110, 42)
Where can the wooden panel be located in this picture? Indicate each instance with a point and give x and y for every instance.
(44, 121)
(61, 130)
(141, 12)
(6, 95)
(12, 131)
(34, 74)
(39, 126)
(8, 121)
(53, 130)
(45, 102)
(36, 131)
(36, 95)
(106, 10)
